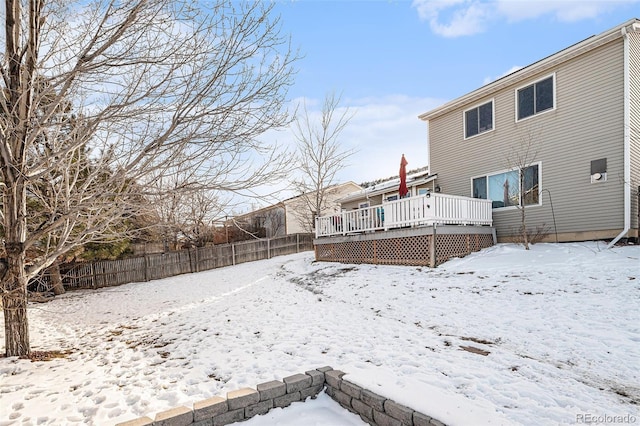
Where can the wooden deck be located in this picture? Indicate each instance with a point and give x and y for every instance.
(424, 210)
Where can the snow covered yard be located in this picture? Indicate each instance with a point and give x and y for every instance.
(516, 337)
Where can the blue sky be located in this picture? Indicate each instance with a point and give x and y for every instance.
(392, 60)
(389, 47)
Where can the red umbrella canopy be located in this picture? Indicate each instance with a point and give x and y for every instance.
(403, 177)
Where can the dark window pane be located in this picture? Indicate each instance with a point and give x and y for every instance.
(471, 120)
(531, 185)
(480, 188)
(544, 94)
(525, 102)
(486, 117)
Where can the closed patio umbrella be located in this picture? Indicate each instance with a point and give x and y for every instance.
(403, 177)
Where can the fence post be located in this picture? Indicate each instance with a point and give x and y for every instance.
(432, 248)
(297, 243)
(193, 259)
(343, 218)
(93, 275)
(233, 254)
(268, 248)
(146, 267)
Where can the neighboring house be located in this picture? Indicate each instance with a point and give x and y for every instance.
(418, 183)
(300, 218)
(266, 222)
(578, 112)
(293, 216)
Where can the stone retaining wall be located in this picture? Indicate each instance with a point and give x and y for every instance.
(373, 408)
(246, 403)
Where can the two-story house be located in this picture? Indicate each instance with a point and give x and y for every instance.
(565, 131)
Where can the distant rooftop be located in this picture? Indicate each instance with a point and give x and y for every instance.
(414, 177)
(410, 174)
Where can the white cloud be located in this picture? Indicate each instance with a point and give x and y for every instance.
(455, 18)
(381, 130)
(462, 18)
(513, 69)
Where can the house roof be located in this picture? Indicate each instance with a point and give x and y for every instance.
(414, 179)
(535, 68)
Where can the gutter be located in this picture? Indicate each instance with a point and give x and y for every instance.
(627, 141)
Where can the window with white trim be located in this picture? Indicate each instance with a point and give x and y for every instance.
(503, 188)
(535, 98)
(478, 120)
(363, 207)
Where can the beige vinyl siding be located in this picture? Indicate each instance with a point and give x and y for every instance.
(354, 204)
(351, 205)
(586, 124)
(634, 54)
(294, 219)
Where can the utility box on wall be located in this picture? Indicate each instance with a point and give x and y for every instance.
(599, 170)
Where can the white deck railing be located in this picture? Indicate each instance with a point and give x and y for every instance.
(424, 210)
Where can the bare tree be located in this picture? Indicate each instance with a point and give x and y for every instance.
(275, 222)
(185, 210)
(319, 156)
(521, 159)
(150, 85)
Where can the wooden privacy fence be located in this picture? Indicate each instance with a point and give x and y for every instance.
(108, 273)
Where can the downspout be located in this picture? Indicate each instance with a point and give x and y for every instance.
(627, 142)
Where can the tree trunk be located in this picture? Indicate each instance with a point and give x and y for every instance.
(14, 303)
(56, 279)
(523, 218)
(17, 109)
(525, 234)
(14, 281)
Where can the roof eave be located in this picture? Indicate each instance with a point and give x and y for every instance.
(366, 194)
(532, 69)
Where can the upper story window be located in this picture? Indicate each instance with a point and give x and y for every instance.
(535, 98)
(478, 120)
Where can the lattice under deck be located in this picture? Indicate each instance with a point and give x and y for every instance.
(411, 250)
